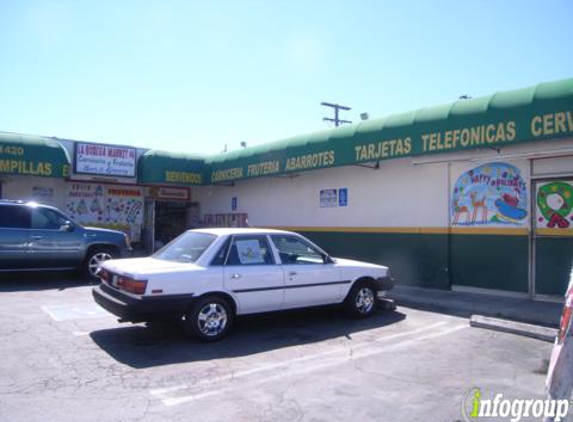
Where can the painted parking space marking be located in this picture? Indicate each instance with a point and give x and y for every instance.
(72, 312)
(300, 366)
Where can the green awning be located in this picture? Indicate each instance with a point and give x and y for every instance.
(28, 155)
(538, 113)
(161, 167)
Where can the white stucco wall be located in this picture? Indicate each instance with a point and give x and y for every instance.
(50, 191)
(408, 192)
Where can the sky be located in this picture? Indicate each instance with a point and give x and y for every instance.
(194, 76)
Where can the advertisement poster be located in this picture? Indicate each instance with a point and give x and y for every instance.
(554, 201)
(43, 194)
(328, 198)
(106, 160)
(491, 194)
(109, 206)
(249, 252)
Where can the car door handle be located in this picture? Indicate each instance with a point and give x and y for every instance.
(292, 273)
(235, 276)
(36, 237)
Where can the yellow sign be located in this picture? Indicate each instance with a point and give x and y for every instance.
(469, 137)
(264, 168)
(310, 161)
(384, 149)
(183, 177)
(28, 168)
(552, 124)
(227, 175)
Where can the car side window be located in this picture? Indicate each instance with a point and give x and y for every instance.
(14, 217)
(46, 219)
(294, 250)
(221, 254)
(250, 250)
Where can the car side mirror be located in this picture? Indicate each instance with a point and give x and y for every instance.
(327, 259)
(68, 226)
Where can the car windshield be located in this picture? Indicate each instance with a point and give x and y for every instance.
(186, 248)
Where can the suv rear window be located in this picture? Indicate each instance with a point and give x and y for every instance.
(14, 217)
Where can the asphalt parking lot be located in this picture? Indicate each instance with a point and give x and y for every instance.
(65, 359)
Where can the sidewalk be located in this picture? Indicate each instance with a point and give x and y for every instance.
(464, 304)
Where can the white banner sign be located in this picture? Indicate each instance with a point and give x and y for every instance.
(106, 160)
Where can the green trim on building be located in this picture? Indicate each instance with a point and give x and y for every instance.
(162, 167)
(553, 259)
(490, 262)
(541, 112)
(414, 259)
(27, 155)
(439, 260)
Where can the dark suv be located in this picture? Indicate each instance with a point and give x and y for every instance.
(37, 237)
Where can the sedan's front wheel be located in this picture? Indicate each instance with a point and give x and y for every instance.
(210, 319)
(361, 301)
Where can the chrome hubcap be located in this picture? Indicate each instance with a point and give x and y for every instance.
(364, 300)
(212, 319)
(96, 260)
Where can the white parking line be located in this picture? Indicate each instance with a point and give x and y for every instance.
(298, 366)
(71, 312)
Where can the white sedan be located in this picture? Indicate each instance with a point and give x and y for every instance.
(206, 277)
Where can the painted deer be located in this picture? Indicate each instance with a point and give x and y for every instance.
(459, 210)
(477, 204)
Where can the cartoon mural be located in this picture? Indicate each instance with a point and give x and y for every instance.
(554, 205)
(489, 194)
(109, 206)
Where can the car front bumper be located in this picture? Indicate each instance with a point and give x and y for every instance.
(384, 284)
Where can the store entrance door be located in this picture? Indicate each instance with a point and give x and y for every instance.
(170, 221)
(552, 237)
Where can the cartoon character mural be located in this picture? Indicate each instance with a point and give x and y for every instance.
(490, 194)
(109, 206)
(554, 205)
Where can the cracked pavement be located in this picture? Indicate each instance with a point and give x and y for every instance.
(64, 361)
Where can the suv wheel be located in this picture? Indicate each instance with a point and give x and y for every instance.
(210, 319)
(95, 258)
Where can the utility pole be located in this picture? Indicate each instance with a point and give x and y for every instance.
(336, 107)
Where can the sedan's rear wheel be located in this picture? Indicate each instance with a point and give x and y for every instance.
(209, 319)
(361, 301)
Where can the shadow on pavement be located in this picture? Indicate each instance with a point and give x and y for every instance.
(37, 281)
(144, 347)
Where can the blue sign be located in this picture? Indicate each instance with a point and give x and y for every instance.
(234, 203)
(343, 197)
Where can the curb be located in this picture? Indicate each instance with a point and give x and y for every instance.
(512, 327)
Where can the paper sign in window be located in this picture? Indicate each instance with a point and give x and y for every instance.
(249, 252)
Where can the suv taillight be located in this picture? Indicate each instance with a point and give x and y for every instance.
(132, 286)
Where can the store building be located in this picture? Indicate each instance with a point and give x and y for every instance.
(169, 207)
(474, 195)
(33, 168)
(144, 193)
